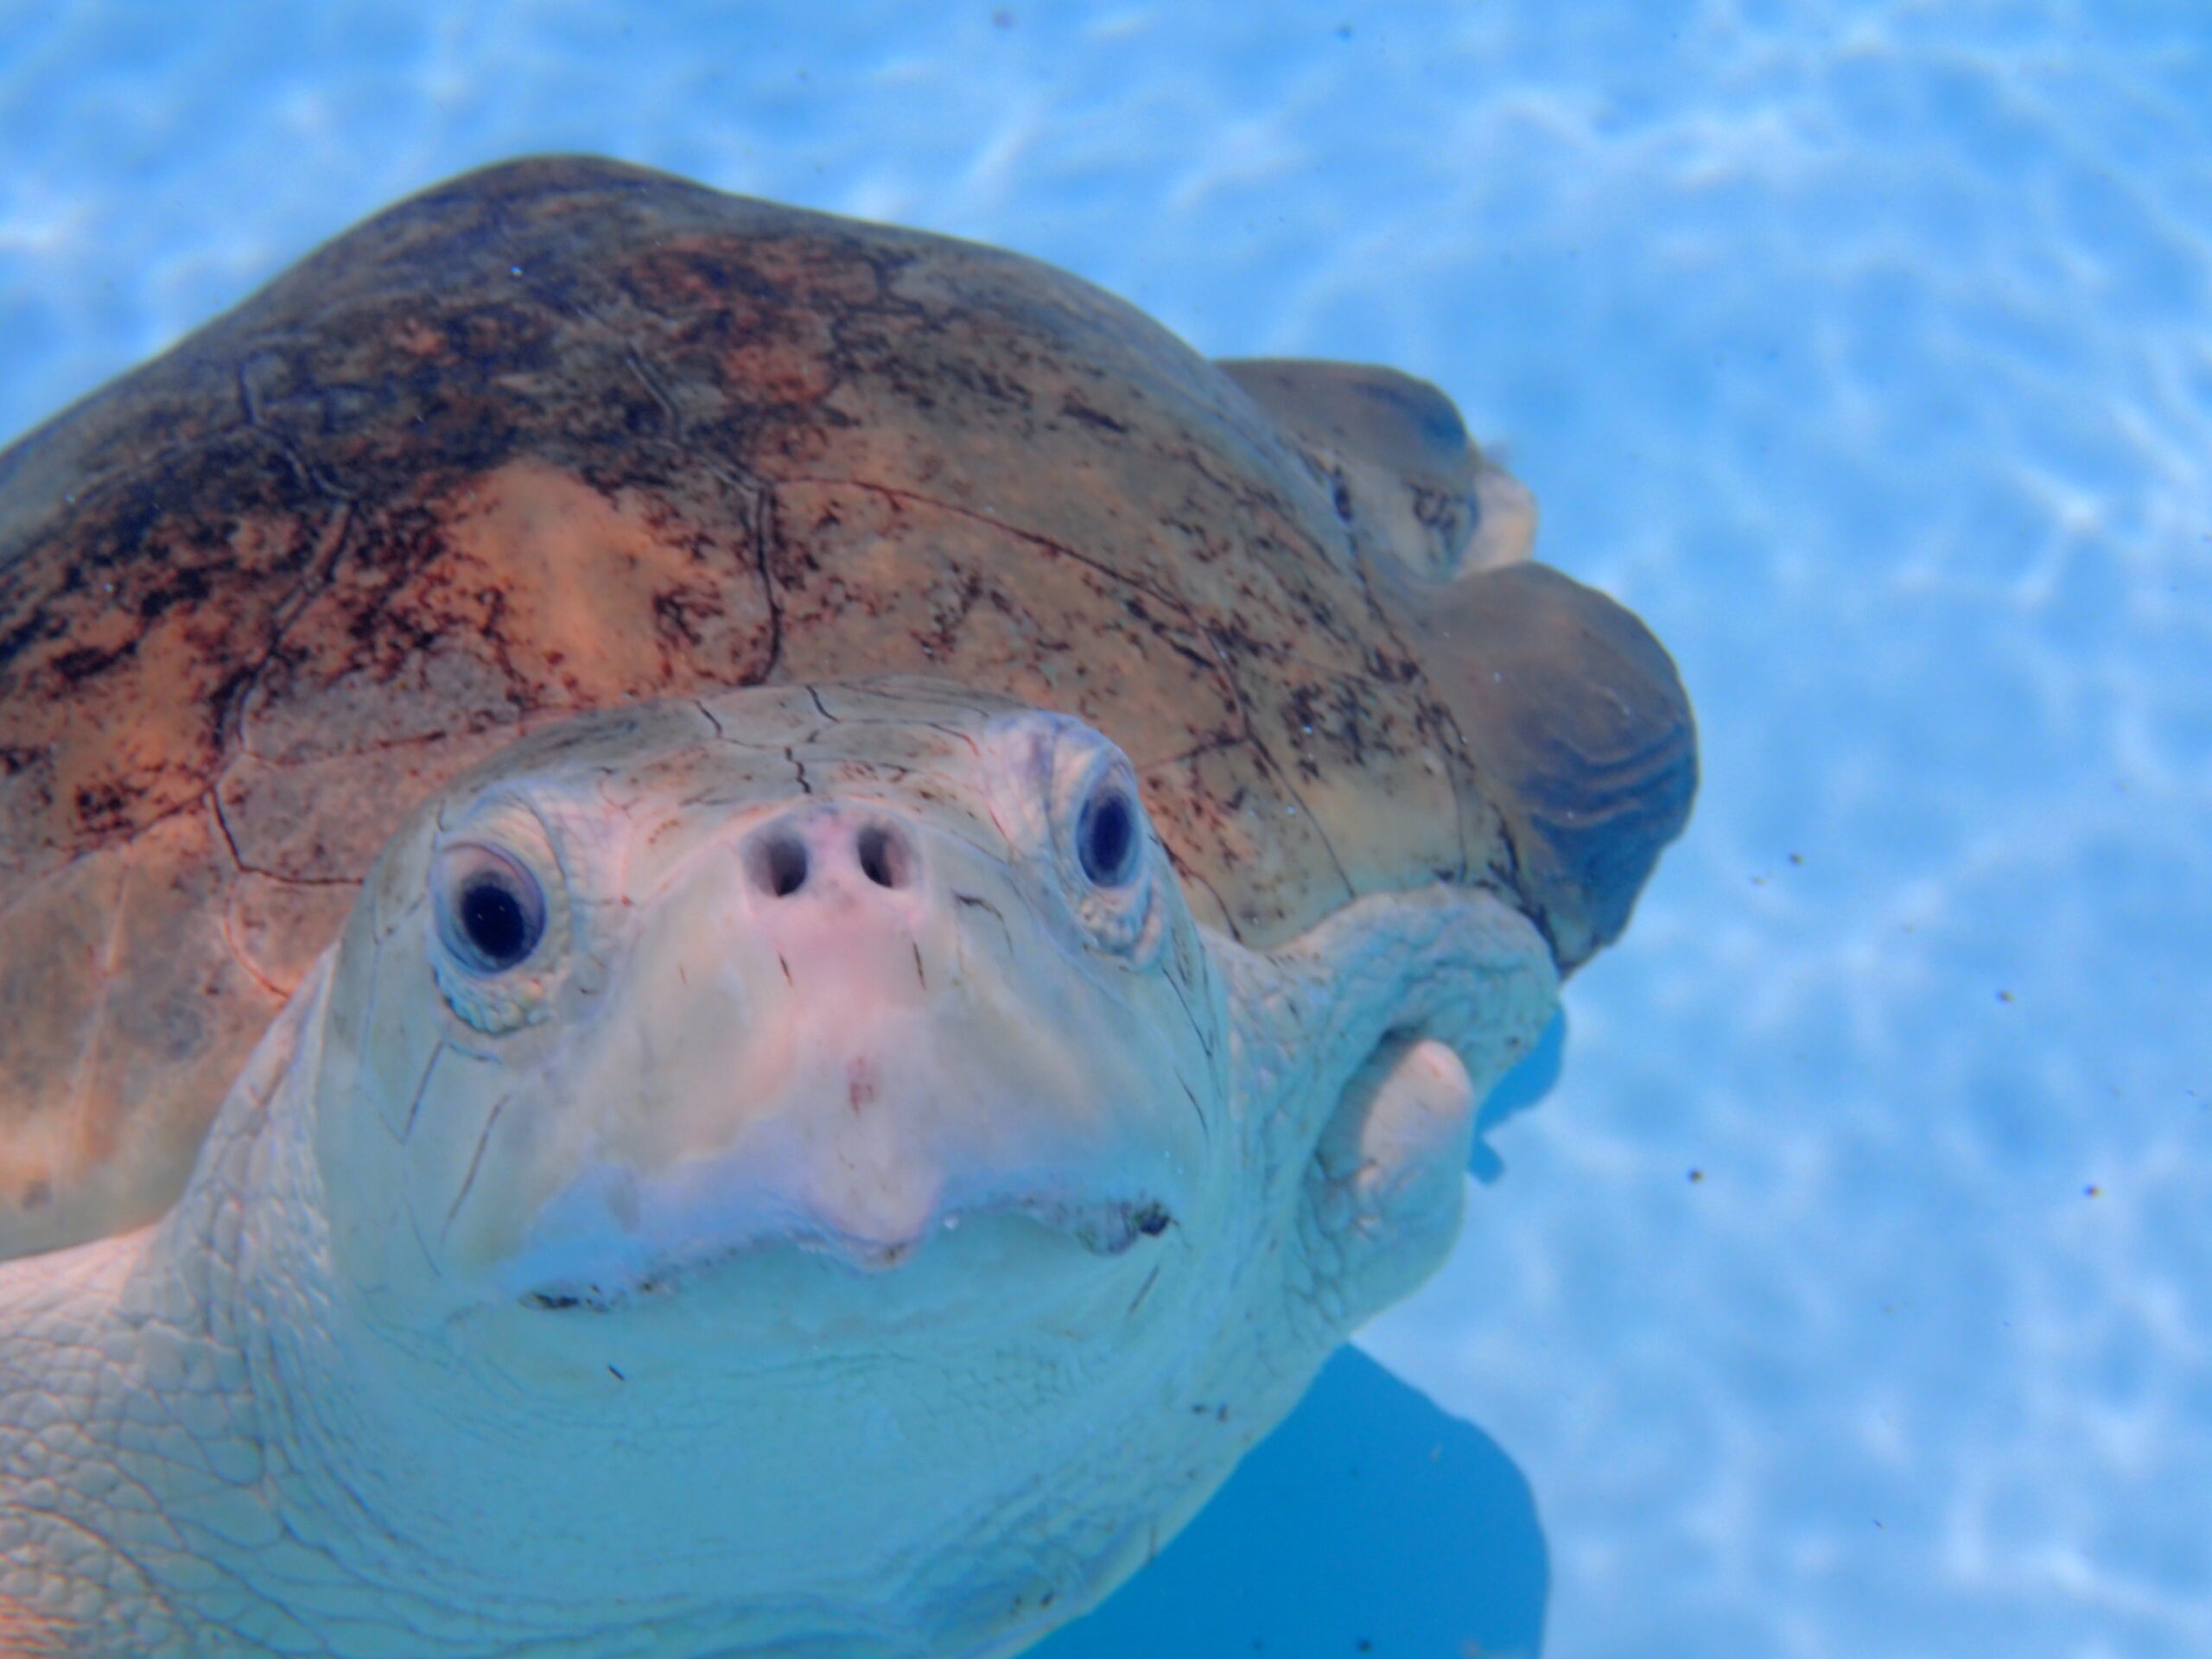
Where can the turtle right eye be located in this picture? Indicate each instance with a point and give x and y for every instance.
(491, 910)
(1106, 837)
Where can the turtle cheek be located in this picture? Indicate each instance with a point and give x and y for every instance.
(406, 1101)
(487, 1171)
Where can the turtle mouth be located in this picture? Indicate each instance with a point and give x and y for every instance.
(1106, 1229)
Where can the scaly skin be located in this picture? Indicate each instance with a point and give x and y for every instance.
(288, 1421)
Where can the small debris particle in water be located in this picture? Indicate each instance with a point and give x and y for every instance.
(2004, 996)
(616, 1375)
(1697, 1175)
(1797, 858)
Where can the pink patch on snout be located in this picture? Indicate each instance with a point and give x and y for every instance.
(861, 1085)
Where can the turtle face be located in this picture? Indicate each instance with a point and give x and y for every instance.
(834, 989)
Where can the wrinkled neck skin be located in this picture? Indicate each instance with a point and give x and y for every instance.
(208, 1446)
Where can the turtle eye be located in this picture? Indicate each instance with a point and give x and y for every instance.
(490, 910)
(1068, 800)
(1106, 836)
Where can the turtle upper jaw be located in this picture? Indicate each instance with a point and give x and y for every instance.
(829, 1150)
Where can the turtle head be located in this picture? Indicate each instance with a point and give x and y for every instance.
(798, 1149)
(836, 1070)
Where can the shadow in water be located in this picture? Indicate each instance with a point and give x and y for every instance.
(1370, 1523)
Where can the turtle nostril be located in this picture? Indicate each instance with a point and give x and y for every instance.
(886, 859)
(776, 863)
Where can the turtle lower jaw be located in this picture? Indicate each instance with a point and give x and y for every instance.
(1101, 1229)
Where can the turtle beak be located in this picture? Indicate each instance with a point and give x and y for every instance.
(849, 1037)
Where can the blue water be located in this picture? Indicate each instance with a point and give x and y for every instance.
(1850, 1294)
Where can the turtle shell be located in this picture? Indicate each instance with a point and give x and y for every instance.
(564, 433)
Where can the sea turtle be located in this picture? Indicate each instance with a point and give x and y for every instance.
(951, 876)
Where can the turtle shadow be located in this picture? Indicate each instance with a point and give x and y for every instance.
(1369, 1522)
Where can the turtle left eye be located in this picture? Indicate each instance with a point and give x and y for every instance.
(493, 911)
(1106, 836)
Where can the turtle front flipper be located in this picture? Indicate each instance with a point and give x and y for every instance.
(1372, 1039)
(1406, 478)
(1577, 724)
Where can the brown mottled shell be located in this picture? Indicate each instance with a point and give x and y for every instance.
(564, 433)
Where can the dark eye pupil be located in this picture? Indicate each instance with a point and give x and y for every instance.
(496, 923)
(1107, 838)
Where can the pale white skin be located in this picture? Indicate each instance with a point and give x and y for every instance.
(880, 1249)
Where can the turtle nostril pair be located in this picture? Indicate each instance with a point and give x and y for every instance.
(778, 863)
